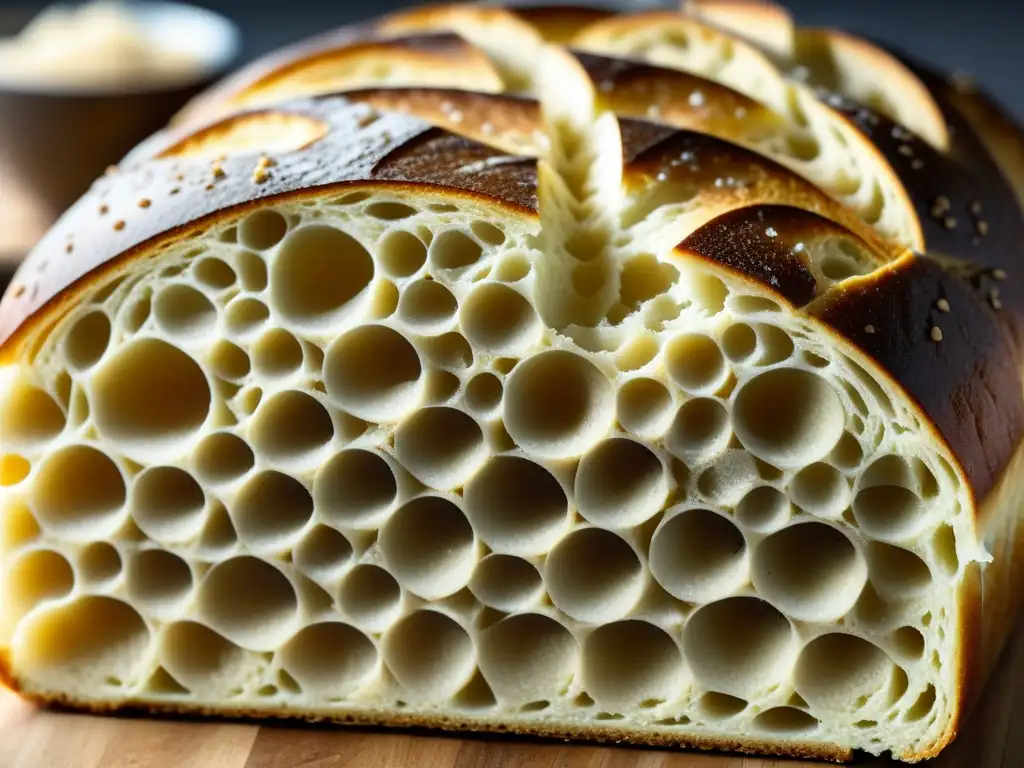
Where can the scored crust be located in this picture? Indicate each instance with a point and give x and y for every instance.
(625, 239)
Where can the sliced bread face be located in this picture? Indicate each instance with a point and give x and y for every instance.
(570, 417)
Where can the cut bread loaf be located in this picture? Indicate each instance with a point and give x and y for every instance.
(535, 370)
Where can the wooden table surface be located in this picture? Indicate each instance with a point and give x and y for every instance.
(29, 738)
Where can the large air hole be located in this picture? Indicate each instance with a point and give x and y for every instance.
(629, 662)
(429, 546)
(222, 457)
(323, 552)
(252, 271)
(449, 350)
(373, 372)
(250, 602)
(764, 509)
(389, 210)
(204, 661)
(245, 316)
(427, 307)
(740, 646)
(593, 575)
(721, 706)
(316, 273)
(355, 489)
(371, 597)
(836, 670)
(528, 657)
(185, 312)
(262, 230)
(87, 340)
(291, 425)
(30, 417)
(430, 654)
(277, 353)
(506, 583)
(214, 273)
(775, 345)
(886, 506)
(79, 492)
(821, 490)
(150, 397)
(270, 510)
(699, 431)
(330, 659)
(228, 361)
(32, 578)
(99, 565)
(897, 573)
(695, 362)
(644, 407)
(810, 570)
(620, 484)
(699, 556)
(739, 342)
(159, 582)
(499, 320)
(558, 404)
(452, 249)
(167, 504)
(785, 720)
(517, 506)
(442, 447)
(402, 254)
(788, 417)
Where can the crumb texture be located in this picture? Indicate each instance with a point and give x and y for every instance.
(391, 450)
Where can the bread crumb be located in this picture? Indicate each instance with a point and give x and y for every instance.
(999, 274)
(145, 202)
(218, 171)
(119, 225)
(949, 222)
(869, 329)
(943, 305)
(994, 300)
(936, 333)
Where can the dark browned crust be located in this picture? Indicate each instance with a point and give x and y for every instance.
(560, 23)
(596, 734)
(762, 242)
(108, 223)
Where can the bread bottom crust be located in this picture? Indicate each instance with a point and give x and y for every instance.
(378, 718)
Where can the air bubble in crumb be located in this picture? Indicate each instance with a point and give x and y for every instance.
(506, 583)
(290, 425)
(644, 407)
(87, 340)
(402, 254)
(184, 312)
(329, 659)
(700, 430)
(788, 417)
(739, 645)
(442, 447)
(374, 373)
(222, 457)
(628, 662)
(371, 597)
(695, 362)
(517, 506)
(698, 555)
(620, 483)
(79, 492)
(356, 488)
(557, 404)
(315, 275)
(499, 320)
(836, 669)
(150, 396)
(594, 576)
(167, 504)
(430, 654)
(428, 544)
(527, 657)
(810, 570)
(248, 601)
(270, 510)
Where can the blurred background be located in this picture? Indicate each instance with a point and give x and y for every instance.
(41, 138)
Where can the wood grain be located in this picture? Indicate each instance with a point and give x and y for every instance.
(30, 738)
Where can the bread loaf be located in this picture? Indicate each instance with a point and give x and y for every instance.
(649, 378)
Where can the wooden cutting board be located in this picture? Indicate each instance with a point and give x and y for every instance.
(30, 738)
